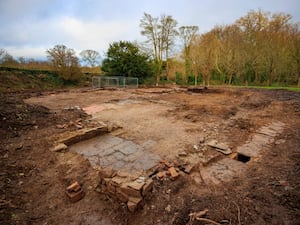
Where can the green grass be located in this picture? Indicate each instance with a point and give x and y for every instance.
(276, 88)
(271, 88)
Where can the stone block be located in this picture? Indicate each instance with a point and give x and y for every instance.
(134, 203)
(267, 131)
(182, 154)
(107, 172)
(221, 147)
(59, 147)
(111, 188)
(123, 174)
(188, 169)
(71, 138)
(121, 195)
(147, 187)
(117, 181)
(136, 185)
(130, 191)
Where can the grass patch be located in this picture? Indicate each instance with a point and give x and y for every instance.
(271, 88)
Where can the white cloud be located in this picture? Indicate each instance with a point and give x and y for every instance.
(30, 27)
(95, 34)
(27, 52)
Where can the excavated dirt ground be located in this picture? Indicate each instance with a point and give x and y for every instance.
(167, 123)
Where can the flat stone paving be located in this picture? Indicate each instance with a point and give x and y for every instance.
(222, 171)
(225, 169)
(261, 140)
(109, 151)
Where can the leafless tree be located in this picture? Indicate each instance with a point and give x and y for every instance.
(91, 57)
(65, 62)
(160, 34)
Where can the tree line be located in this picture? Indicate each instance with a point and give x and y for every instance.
(259, 48)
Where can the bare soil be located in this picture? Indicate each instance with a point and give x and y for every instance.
(33, 179)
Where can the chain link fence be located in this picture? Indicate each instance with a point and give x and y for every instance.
(115, 82)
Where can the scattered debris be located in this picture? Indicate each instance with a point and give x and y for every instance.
(59, 147)
(182, 154)
(188, 168)
(62, 126)
(167, 164)
(173, 172)
(75, 192)
(201, 140)
(221, 147)
(168, 208)
(161, 174)
(198, 214)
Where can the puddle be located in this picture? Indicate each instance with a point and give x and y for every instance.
(109, 151)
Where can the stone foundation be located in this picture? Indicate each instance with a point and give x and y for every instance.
(125, 188)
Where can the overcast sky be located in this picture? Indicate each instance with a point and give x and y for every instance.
(29, 27)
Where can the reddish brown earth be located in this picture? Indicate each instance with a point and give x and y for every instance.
(33, 179)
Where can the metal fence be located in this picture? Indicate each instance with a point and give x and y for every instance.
(115, 82)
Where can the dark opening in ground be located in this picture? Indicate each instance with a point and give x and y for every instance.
(242, 158)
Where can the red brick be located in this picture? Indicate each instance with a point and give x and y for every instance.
(160, 174)
(173, 172)
(166, 163)
(76, 196)
(74, 187)
(74, 192)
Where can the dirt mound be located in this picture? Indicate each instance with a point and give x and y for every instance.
(15, 115)
(12, 80)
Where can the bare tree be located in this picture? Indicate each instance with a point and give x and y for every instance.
(3, 55)
(168, 35)
(65, 62)
(160, 34)
(187, 34)
(295, 53)
(91, 57)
